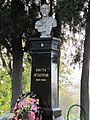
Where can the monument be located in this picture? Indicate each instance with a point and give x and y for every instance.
(45, 64)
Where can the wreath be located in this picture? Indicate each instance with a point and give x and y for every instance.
(27, 107)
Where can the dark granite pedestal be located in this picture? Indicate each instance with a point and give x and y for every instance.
(44, 74)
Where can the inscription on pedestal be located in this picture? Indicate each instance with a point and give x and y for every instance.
(40, 74)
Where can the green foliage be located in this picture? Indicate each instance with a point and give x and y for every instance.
(70, 11)
(5, 91)
(73, 14)
(5, 85)
(25, 114)
(16, 18)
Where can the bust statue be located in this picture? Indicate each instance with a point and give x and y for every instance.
(46, 23)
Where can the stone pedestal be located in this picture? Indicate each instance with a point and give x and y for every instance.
(44, 74)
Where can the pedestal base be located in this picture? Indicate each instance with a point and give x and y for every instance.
(51, 114)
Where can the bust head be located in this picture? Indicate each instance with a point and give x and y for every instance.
(45, 9)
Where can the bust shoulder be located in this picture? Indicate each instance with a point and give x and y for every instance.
(52, 21)
(38, 23)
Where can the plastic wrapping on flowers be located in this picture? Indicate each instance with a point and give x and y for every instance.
(26, 108)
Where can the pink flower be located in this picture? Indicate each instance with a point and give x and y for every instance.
(37, 118)
(31, 101)
(24, 102)
(31, 115)
(33, 107)
(20, 105)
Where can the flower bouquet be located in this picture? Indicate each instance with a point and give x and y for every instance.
(26, 108)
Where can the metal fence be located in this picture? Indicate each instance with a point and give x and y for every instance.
(83, 117)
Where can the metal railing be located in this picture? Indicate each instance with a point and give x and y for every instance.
(81, 108)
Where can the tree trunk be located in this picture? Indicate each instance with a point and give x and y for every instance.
(57, 32)
(17, 70)
(85, 69)
(17, 10)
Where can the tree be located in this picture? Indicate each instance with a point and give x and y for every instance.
(17, 15)
(70, 14)
(85, 69)
(15, 21)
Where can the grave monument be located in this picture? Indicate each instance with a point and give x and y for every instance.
(45, 65)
